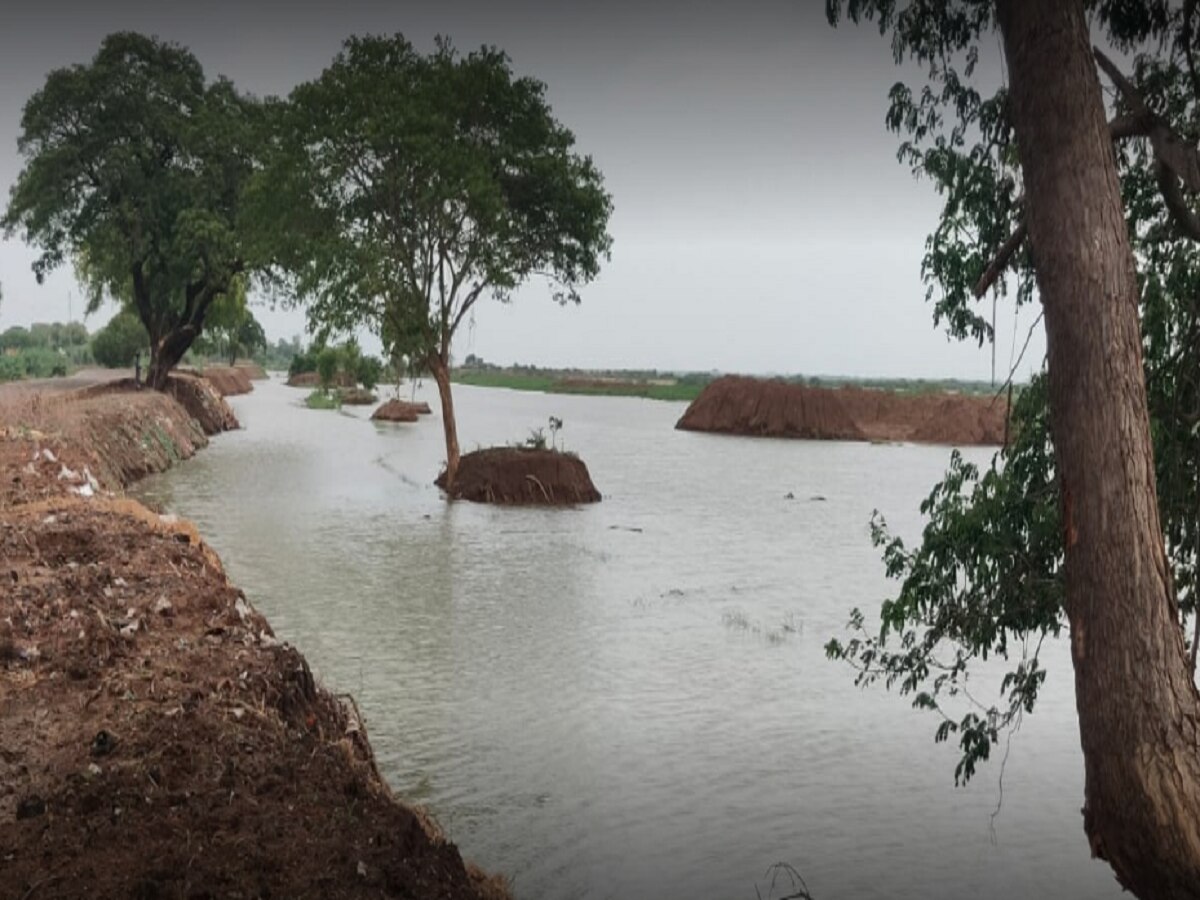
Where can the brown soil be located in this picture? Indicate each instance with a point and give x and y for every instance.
(401, 411)
(751, 406)
(253, 371)
(522, 476)
(312, 380)
(158, 741)
(356, 396)
(228, 380)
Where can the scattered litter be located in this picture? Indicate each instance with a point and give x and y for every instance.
(119, 582)
(267, 640)
(362, 869)
(48, 455)
(128, 631)
(168, 518)
(242, 608)
(85, 490)
(68, 474)
(94, 769)
(163, 607)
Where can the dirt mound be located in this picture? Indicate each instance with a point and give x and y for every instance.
(203, 403)
(159, 741)
(401, 411)
(253, 371)
(100, 439)
(356, 396)
(959, 419)
(751, 406)
(228, 380)
(517, 475)
(312, 380)
(738, 405)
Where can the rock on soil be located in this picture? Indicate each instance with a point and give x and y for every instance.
(401, 411)
(522, 476)
(772, 408)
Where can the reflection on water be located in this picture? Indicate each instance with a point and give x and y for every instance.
(631, 699)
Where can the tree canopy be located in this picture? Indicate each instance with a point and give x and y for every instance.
(1066, 525)
(415, 184)
(135, 166)
(986, 578)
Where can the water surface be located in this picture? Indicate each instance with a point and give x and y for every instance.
(632, 699)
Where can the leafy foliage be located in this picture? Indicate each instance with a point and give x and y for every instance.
(413, 185)
(117, 343)
(986, 578)
(134, 170)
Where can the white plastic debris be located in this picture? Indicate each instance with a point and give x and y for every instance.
(68, 474)
(48, 456)
(162, 606)
(242, 608)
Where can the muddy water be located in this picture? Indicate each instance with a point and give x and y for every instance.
(631, 700)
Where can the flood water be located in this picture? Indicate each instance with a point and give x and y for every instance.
(632, 699)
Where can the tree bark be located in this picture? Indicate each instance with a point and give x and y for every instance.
(441, 374)
(165, 354)
(1139, 712)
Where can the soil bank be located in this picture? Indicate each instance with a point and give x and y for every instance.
(401, 411)
(522, 476)
(158, 740)
(771, 408)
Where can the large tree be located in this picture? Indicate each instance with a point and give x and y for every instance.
(1069, 521)
(135, 166)
(412, 185)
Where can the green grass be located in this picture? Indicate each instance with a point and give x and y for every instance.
(561, 384)
(319, 399)
(685, 388)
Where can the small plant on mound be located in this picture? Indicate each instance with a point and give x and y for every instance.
(536, 439)
(555, 428)
(320, 399)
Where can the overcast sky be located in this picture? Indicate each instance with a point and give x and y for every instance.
(761, 223)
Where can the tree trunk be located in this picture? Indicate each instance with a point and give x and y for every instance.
(1139, 712)
(165, 354)
(441, 374)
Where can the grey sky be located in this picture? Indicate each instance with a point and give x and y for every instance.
(762, 223)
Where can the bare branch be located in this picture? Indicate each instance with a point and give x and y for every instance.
(1002, 259)
(1181, 211)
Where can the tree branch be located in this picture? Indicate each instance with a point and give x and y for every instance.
(1001, 260)
(1139, 123)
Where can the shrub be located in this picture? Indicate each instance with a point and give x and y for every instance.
(116, 344)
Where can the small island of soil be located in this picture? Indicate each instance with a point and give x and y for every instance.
(401, 411)
(356, 396)
(522, 476)
(758, 407)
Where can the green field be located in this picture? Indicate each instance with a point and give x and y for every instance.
(683, 387)
(602, 385)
